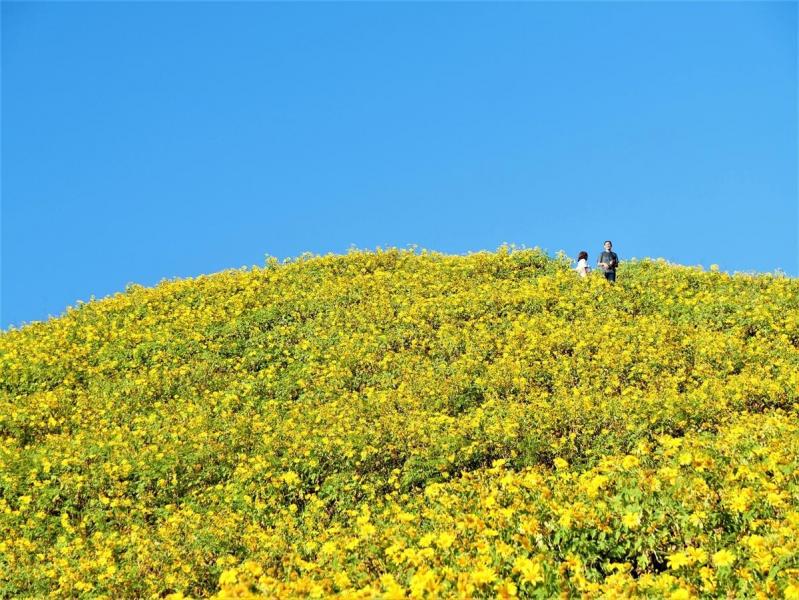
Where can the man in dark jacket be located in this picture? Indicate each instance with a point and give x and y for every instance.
(608, 261)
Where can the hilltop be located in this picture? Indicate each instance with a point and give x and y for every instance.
(394, 424)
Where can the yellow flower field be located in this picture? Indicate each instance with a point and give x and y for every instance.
(403, 424)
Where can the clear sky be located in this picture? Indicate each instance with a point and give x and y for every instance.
(143, 141)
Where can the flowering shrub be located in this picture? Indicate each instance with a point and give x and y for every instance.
(399, 424)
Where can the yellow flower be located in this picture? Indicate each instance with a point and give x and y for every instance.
(741, 500)
(595, 484)
(775, 499)
(565, 519)
(328, 548)
(290, 478)
(631, 519)
(342, 580)
(739, 503)
(678, 560)
(708, 579)
(529, 570)
(680, 594)
(723, 558)
(366, 530)
(507, 589)
(253, 568)
(697, 555)
(483, 575)
(630, 461)
(392, 589)
(426, 540)
(228, 577)
(444, 540)
(697, 518)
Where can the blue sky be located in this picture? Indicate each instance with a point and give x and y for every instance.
(143, 141)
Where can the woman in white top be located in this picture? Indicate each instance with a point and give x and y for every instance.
(582, 264)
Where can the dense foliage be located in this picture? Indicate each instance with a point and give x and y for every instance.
(400, 424)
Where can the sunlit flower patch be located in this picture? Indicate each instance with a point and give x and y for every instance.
(398, 424)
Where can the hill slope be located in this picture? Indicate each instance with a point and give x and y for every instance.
(389, 424)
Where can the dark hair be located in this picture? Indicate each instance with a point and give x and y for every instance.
(583, 255)
(608, 242)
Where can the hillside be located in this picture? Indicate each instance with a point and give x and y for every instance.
(394, 424)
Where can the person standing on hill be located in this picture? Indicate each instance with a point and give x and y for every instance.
(608, 261)
(582, 264)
